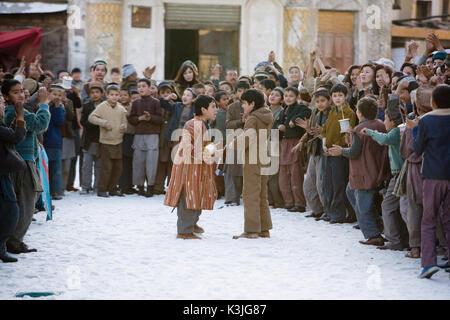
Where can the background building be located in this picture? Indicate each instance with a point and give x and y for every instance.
(235, 33)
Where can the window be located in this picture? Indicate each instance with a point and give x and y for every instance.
(423, 9)
(141, 17)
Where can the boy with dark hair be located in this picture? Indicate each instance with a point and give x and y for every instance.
(199, 88)
(53, 141)
(110, 116)
(291, 174)
(165, 148)
(76, 78)
(89, 139)
(267, 86)
(147, 116)
(126, 179)
(312, 142)
(115, 75)
(26, 182)
(369, 168)
(233, 164)
(258, 122)
(394, 226)
(335, 168)
(431, 138)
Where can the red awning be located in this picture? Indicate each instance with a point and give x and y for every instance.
(15, 44)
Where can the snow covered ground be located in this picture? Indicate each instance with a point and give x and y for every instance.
(126, 248)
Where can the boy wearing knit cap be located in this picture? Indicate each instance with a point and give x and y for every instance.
(89, 138)
(394, 225)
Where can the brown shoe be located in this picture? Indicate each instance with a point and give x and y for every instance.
(377, 241)
(198, 229)
(264, 234)
(187, 236)
(247, 235)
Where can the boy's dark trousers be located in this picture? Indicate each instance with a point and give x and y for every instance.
(163, 172)
(274, 192)
(126, 179)
(27, 186)
(9, 210)
(110, 167)
(363, 202)
(335, 179)
(73, 163)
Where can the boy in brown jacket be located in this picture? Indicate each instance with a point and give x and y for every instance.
(110, 116)
(369, 167)
(258, 121)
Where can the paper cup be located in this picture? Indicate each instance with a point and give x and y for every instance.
(67, 82)
(345, 124)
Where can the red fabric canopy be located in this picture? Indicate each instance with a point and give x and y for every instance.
(16, 44)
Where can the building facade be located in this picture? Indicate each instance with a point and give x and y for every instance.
(235, 33)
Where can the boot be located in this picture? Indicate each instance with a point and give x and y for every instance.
(198, 229)
(6, 258)
(247, 235)
(141, 190)
(149, 192)
(264, 234)
(186, 236)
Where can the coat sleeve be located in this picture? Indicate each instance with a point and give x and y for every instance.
(166, 105)
(15, 135)
(133, 116)
(384, 139)
(85, 112)
(35, 123)
(420, 138)
(96, 117)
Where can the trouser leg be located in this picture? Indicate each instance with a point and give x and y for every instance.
(187, 218)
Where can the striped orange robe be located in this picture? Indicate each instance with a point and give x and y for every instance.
(197, 179)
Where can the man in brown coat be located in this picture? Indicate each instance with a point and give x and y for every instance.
(254, 143)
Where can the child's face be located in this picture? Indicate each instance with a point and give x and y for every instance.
(16, 94)
(239, 92)
(294, 74)
(188, 75)
(275, 98)
(322, 103)
(124, 97)
(339, 98)
(113, 96)
(154, 91)
(95, 94)
(187, 97)
(266, 91)
(135, 96)
(290, 98)
(115, 77)
(209, 91)
(165, 92)
(248, 107)
(366, 75)
(256, 84)
(225, 87)
(223, 103)
(405, 97)
(27, 94)
(144, 89)
(389, 125)
(100, 72)
(76, 76)
(211, 112)
(56, 96)
(200, 91)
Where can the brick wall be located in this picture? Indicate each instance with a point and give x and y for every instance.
(54, 47)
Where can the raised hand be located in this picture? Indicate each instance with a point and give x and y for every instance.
(148, 72)
(43, 96)
(19, 110)
(271, 58)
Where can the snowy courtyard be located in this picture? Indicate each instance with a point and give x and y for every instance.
(126, 248)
